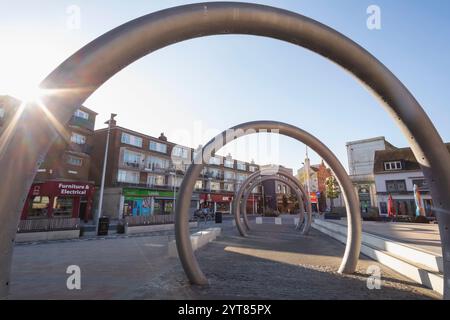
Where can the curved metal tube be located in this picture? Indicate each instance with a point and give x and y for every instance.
(281, 172)
(248, 191)
(71, 83)
(304, 225)
(186, 254)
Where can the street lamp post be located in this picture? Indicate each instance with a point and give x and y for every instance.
(102, 184)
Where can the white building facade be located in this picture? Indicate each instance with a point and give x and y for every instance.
(361, 155)
(396, 172)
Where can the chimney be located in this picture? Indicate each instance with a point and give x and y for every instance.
(162, 137)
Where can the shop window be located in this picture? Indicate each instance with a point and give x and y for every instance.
(168, 207)
(62, 207)
(38, 207)
(157, 207)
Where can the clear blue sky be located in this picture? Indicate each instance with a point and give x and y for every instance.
(212, 83)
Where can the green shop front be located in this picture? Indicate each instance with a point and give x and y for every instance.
(145, 202)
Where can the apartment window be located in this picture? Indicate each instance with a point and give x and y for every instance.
(241, 177)
(214, 160)
(215, 173)
(241, 166)
(156, 180)
(392, 165)
(279, 188)
(2, 112)
(395, 185)
(158, 147)
(215, 186)
(180, 152)
(252, 168)
(229, 175)
(132, 159)
(81, 114)
(128, 176)
(199, 184)
(229, 163)
(228, 187)
(75, 161)
(131, 140)
(155, 163)
(78, 138)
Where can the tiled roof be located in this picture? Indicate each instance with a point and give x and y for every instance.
(405, 155)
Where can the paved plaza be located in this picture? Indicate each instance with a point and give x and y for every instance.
(275, 262)
(423, 236)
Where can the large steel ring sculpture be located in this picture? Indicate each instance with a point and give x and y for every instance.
(71, 83)
(182, 234)
(304, 220)
(304, 223)
(248, 185)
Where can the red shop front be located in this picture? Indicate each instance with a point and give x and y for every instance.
(59, 199)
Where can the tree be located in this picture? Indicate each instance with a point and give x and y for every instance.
(332, 189)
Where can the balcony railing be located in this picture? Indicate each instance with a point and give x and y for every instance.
(83, 123)
(81, 148)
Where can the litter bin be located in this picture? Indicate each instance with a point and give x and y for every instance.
(218, 217)
(103, 226)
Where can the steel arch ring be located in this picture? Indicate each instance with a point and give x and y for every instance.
(72, 82)
(304, 220)
(274, 170)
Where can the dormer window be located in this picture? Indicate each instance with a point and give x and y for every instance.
(81, 114)
(392, 165)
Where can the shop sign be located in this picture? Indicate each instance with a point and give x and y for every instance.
(146, 193)
(59, 188)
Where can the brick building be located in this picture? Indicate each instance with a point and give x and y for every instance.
(61, 188)
(143, 175)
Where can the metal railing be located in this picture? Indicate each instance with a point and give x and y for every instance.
(149, 220)
(54, 224)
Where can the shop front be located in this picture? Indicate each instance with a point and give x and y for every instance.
(145, 202)
(59, 199)
(217, 202)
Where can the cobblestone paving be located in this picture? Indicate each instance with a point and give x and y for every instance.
(275, 262)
